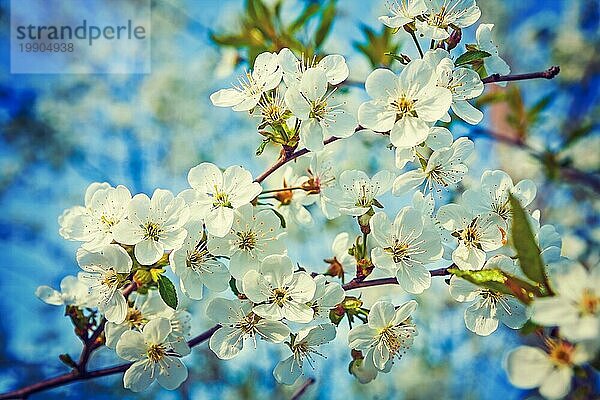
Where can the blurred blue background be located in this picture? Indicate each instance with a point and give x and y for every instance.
(60, 132)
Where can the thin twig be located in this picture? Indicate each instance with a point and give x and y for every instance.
(417, 44)
(302, 389)
(76, 375)
(547, 74)
(359, 283)
(285, 159)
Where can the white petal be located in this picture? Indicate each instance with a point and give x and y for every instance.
(173, 374)
(227, 97)
(467, 112)
(139, 376)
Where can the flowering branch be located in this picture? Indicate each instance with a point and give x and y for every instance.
(285, 158)
(82, 374)
(359, 283)
(550, 73)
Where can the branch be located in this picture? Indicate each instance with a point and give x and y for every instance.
(302, 389)
(569, 174)
(76, 375)
(82, 374)
(550, 73)
(285, 158)
(359, 283)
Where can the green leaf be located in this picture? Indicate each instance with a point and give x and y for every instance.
(325, 23)
(280, 216)
(167, 291)
(492, 279)
(262, 146)
(527, 249)
(233, 287)
(403, 59)
(471, 56)
(499, 281)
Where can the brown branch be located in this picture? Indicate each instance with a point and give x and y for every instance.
(302, 389)
(357, 283)
(82, 374)
(569, 174)
(550, 73)
(285, 158)
(77, 375)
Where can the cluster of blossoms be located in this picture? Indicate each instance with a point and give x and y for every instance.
(227, 233)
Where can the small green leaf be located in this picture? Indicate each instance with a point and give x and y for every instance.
(401, 58)
(527, 249)
(499, 281)
(471, 56)
(167, 291)
(280, 216)
(262, 146)
(233, 287)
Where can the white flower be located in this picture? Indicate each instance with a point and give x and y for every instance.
(238, 323)
(493, 64)
(405, 247)
(327, 296)
(406, 105)
(402, 12)
(445, 167)
(215, 195)
(388, 334)
(464, 84)
(293, 202)
(342, 264)
(356, 192)
(476, 234)
(441, 14)
(333, 65)
(253, 236)
(576, 306)
(281, 292)
(246, 94)
(93, 224)
(488, 307)
(154, 356)
(303, 346)
(73, 292)
(551, 371)
(153, 225)
(146, 308)
(105, 272)
(437, 138)
(196, 266)
(493, 194)
(322, 175)
(320, 113)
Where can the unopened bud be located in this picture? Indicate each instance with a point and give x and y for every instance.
(142, 277)
(364, 268)
(351, 303)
